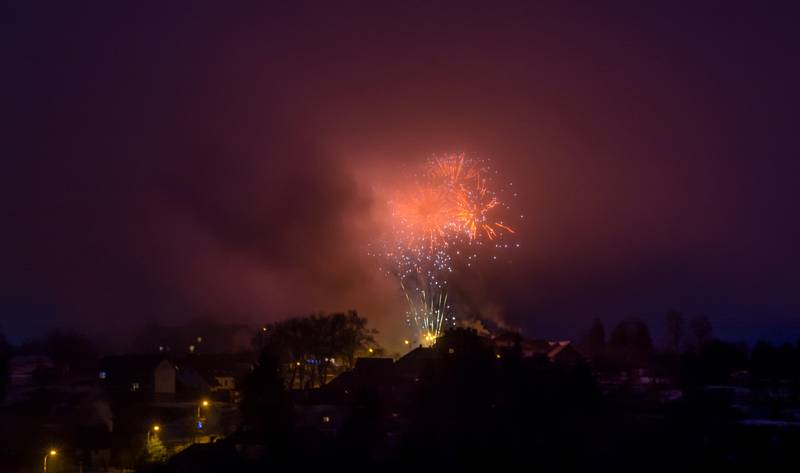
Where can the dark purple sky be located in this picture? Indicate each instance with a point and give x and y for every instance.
(163, 162)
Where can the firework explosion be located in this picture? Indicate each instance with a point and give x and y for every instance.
(438, 223)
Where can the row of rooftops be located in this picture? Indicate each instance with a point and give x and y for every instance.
(386, 373)
(211, 372)
(160, 374)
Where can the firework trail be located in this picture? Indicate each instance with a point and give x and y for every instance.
(438, 221)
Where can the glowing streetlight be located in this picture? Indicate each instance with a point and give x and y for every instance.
(200, 419)
(154, 430)
(406, 342)
(50, 453)
(371, 350)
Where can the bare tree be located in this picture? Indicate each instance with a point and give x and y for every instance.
(674, 322)
(630, 342)
(595, 341)
(701, 332)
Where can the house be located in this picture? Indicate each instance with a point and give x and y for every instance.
(325, 409)
(562, 351)
(215, 375)
(149, 376)
(372, 373)
(463, 342)
(409, 368)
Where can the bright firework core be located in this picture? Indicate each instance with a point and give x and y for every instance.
(449, 208)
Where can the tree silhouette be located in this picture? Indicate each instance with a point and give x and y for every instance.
(306, 348)
(701, 331)
(630, 342)
(5, 357)
(266, 407)
(769, 362)
(595, 342)
(674, 327)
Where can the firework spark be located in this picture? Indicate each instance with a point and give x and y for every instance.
(449, 207)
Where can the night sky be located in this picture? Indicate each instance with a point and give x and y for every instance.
(168, 162)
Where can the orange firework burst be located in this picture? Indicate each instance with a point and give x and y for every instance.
(425, 215)
(448, 207)
(455, 197)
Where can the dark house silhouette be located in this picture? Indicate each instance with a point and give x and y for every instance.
(146, 376)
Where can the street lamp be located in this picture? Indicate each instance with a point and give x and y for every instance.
(155, 429)
(202, 404)
(51, 453)
(200, 419)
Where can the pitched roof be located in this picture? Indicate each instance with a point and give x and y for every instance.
(419, 353)
(373, 369)
(564, 350)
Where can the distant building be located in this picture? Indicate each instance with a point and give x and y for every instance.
(398, 382)
(215, 375)
(410, 367)
(23, 369)
(463, 341)
(383, 374)
(146, 375)
(562, 351)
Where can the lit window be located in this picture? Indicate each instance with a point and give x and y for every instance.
(134, 386)
(191, 348)
(103, 375)
(451, 350)
(326, 419)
